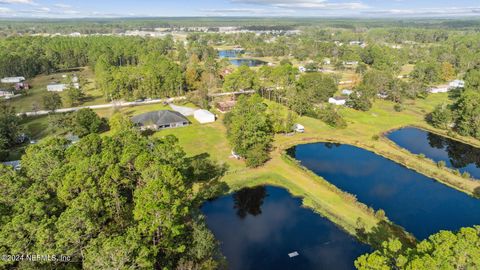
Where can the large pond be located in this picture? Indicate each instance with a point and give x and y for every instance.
(457, 155)
(418, 203)
(259, 227)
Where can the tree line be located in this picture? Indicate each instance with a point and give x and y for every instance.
(122, 201)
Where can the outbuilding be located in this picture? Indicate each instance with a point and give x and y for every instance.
(16, 165)
(13, 80)
(204, 116)
(160, 120)
(299, 128)
(340, 101)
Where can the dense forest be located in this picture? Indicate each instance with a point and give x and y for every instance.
(124, 197)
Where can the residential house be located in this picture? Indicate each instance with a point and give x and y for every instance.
(457, 84)
(13, 80)
(160, 120)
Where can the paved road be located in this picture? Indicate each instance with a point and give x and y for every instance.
(105, 106)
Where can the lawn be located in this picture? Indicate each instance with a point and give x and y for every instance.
(33, 98)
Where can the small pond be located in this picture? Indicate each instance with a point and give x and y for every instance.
(248, 62)
(259, 227)
(229, 53)
(455, 154)
(420, 204)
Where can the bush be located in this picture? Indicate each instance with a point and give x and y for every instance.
(441, 164)
(376, 137)
(330, 116)
(380, 214)
(422, 156)
(398, 107)
(256, 156)
(466, 175)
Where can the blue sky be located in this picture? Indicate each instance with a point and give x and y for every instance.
(293, 8)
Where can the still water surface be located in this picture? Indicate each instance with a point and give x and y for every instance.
(457, 155)
(259, 227)
(420, 204)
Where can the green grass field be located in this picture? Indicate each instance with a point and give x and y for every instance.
(33, 98)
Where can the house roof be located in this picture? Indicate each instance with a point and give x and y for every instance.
(159, 118)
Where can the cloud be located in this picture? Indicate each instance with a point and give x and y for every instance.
(305, 4)
(426, 12)
(4, 10)
(246, 12)
(28, 2)
(62, 6)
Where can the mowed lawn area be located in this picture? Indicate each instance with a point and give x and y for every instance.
(33, 98)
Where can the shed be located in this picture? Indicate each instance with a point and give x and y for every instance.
(440, 89)
(204, 116)
(58, 87)
(160, 120)
(226, 106)
(12, 79)
(337, 101)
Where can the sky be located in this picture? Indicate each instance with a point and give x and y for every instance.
(259, 8)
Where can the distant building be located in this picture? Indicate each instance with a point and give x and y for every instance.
(22, 86)
(13, 80)
(160, 120)
(439, 89)
(73, 139)
(347, 92)
(5, 94)
(340, 101)
(57, 87)
(350, 63)
(302, 69)
(14, 164)
(457, 84)
(327, 61)
(60, 87)
(204, 116)
(226, 106)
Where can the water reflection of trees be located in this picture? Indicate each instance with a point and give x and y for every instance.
(460, 154)
(249, 201)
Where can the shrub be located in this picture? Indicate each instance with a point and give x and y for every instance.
(398, 107)
(441, 164)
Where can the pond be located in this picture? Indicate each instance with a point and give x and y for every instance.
(248, 62)
(259, 227)
(420, 204)
(455, 154)
(229, 53)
